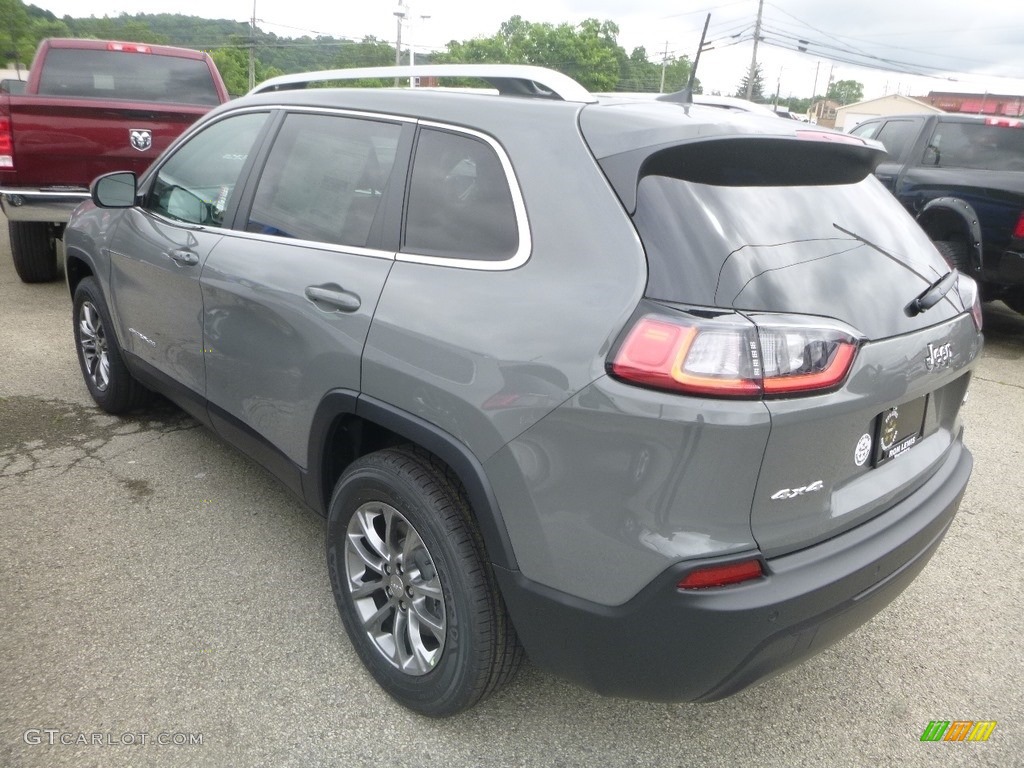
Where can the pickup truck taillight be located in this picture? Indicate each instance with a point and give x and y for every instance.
(129, 47)
(6, 144)
(1018, 231)
(728, 356)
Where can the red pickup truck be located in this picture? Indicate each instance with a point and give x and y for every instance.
(89, 107)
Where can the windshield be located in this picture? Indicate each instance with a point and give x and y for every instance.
(976, 145)
(96, 74)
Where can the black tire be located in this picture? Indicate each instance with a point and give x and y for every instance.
(34, 250)
(956, 253)
(99, 356)
(412, 584)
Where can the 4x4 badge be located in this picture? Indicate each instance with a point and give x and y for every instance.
(141, 138)
(939, 356)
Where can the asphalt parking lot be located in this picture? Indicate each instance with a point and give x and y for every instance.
(165, 601)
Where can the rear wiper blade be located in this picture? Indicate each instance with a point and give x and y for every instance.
(884, 252)
(933, 294)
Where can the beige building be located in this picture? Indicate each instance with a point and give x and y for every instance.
(823, 113)
(849, 116)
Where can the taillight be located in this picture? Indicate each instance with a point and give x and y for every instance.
(1018, 231)
(1004, 122)
(971, 297)
(728, 355)
(689, 358)
(722, 575)
(129, 47)
(6, 144)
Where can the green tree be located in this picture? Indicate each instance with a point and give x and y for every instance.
(124, 27)
(677, 75)
(21, 29)
(846, 91)
(370, 52)
(587, 52)
(757, 93)
(638, 73)
(233, 64)
(14, 26)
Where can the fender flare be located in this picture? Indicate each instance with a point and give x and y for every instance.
(963, 211)
(453, 452)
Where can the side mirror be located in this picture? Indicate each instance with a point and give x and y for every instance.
(115, 190)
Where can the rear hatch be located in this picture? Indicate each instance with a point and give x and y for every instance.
(787, 256)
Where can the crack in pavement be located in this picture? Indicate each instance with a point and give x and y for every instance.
(997, 381)
(39, 434)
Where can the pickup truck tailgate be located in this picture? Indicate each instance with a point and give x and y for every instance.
(69, 142)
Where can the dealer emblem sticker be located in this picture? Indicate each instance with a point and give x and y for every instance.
(860, 456)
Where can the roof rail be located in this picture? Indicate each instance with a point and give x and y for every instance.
(509, 79)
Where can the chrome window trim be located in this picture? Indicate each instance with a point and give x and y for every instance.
(518, 259)
(522, 254)
(315, 244)
(380, 117)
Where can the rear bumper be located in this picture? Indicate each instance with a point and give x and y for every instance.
(703, 645)
(53, 206)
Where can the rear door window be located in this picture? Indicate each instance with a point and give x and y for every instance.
(866, 130)
(325, 178)
(896, 135)
(460, 205)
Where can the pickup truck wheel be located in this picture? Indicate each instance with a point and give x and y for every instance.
(413, 587)
(99, 356)
(956, 254)
(34, 250)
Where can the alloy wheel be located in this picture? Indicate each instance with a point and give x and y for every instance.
(395, 588)
(93, 343)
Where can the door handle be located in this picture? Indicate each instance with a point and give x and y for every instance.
(184, 257)
(334, 296)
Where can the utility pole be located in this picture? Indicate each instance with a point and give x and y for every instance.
(664, 63)
(753, 58)
(252, 49)
(399, 15)
(404, 14)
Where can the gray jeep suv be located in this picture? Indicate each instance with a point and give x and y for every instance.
(665, 396)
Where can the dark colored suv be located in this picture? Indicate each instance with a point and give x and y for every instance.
(666, 396)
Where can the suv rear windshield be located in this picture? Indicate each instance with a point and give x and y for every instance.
(707, 244)
(976, 145)
(96, 74)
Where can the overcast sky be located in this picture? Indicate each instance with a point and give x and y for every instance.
(979, 44)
